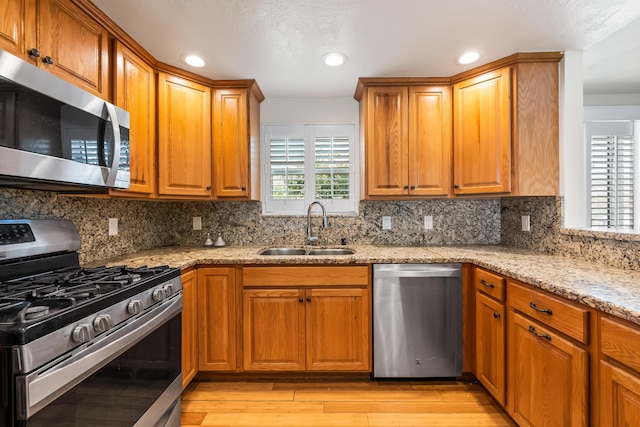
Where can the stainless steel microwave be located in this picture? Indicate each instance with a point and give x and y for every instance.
(56, 136)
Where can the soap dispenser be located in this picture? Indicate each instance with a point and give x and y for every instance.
(219, 241)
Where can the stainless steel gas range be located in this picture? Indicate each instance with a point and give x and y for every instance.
(84, 346)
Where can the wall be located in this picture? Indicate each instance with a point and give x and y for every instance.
(147, 224)
(547, 234)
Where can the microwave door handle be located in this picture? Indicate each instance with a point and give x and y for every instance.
(113, 170)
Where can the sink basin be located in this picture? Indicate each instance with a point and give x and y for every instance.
(302, 251)
(330, 251)
(283, 251)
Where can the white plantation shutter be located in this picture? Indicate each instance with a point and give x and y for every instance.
(612, 175)
(307, 163)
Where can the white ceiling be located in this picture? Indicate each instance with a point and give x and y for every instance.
(280, 42)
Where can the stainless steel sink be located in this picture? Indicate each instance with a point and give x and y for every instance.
(330, 251)
(283, 251)
(302, 251)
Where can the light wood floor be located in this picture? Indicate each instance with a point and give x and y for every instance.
(366, 403)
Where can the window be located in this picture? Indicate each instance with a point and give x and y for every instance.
(309, 162)
(613, 174)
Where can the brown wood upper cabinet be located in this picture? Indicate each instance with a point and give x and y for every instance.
(482, 134)
(505, 127)
(184, 138)
(135, 91)
(236, 142)
(407, 139)
(58, 36)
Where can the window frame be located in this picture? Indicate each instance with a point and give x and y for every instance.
(288, 207)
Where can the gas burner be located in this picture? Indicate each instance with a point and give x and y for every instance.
(36, 312)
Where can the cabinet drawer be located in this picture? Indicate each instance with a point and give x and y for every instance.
(554, 312)
(489, 283)
(296, 276)
(620, 341)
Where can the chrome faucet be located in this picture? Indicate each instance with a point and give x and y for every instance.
(311, 238)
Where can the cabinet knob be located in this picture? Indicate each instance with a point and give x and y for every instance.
(456, 186)
(300, 299)
(406, 187)
(413, 187)
(34, 52)
(47, 60)
(308, 299)
(208, 187)
(496, 315)
(243, 188)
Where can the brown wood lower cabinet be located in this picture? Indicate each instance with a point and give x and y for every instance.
(321, 327)
(189, 327)
(490, 345)
(548, 382)
(217, 319)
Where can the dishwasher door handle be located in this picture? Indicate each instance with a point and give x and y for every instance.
(417, 273)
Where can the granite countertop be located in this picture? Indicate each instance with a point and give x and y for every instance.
(611, 290)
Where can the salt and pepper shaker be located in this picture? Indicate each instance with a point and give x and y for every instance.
(219, 241)
(208, 242)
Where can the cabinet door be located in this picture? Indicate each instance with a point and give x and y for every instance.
(77, 45)
(490, 346)
(217, 319)
(135, 92)
(189, 327)
(386, 141)
(482, 134)
(619, 397)
(548, 384)
(273, 323)
(16, 26)
(230, 143)
(429, 142)
(184, 137)
(337, 330)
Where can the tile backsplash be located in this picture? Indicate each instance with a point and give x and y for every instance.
(150, 224)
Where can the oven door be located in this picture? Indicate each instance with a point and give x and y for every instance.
(129, 376)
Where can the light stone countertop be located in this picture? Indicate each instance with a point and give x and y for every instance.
(611, 290)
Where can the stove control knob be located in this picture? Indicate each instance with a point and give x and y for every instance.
(168, 290)
(134, 307)
(102, 323)
(81, 333)
(159, 294)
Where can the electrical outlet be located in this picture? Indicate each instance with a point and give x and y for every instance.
(197, 223)
(386, 223)
(526, 223)
(428, 222)
(113, 226)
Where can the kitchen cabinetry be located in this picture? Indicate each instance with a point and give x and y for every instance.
(482, 134)
(548, 367)
(313, 318)
(236, 142)
(490, 332)
(135, 92)
(217, 319)
(619, 369)
(505, 127)
(58, 36)
(189, 327)
(407, 139)
(184, 138)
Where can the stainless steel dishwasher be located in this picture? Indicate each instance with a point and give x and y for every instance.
(417, 320)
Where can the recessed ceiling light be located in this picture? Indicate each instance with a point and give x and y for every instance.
(193, 60)
(469, 57)
(334, 59)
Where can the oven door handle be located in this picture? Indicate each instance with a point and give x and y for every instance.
(38, 389)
